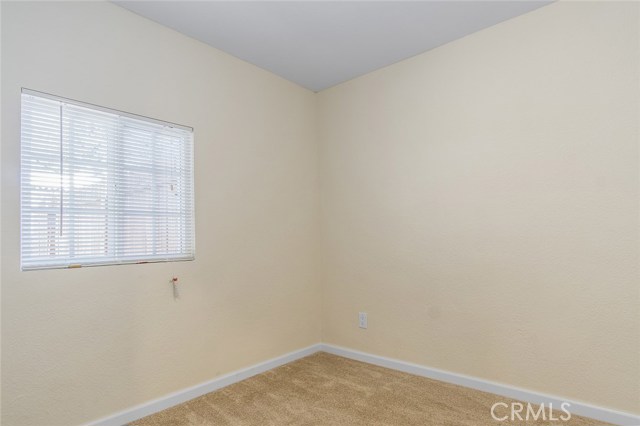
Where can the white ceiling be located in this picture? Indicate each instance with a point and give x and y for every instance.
(318, 44)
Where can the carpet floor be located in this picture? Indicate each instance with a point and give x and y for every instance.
(324, 389)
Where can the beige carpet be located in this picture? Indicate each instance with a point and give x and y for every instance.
(324, 389)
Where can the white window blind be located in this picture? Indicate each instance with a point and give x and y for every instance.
(100, 186)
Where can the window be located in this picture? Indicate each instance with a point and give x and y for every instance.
(102, 187)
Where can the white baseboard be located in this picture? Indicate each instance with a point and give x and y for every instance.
(577, 408)
(167, 401)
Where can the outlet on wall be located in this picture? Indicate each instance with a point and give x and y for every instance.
(362, 320)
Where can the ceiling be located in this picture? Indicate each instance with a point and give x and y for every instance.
(318, 44)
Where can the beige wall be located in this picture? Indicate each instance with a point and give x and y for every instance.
(480, 202)
(81, 344)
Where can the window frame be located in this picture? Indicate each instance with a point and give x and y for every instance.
(62, 263)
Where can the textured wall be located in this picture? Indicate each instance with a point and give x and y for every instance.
(480, 202)
(81, 344)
